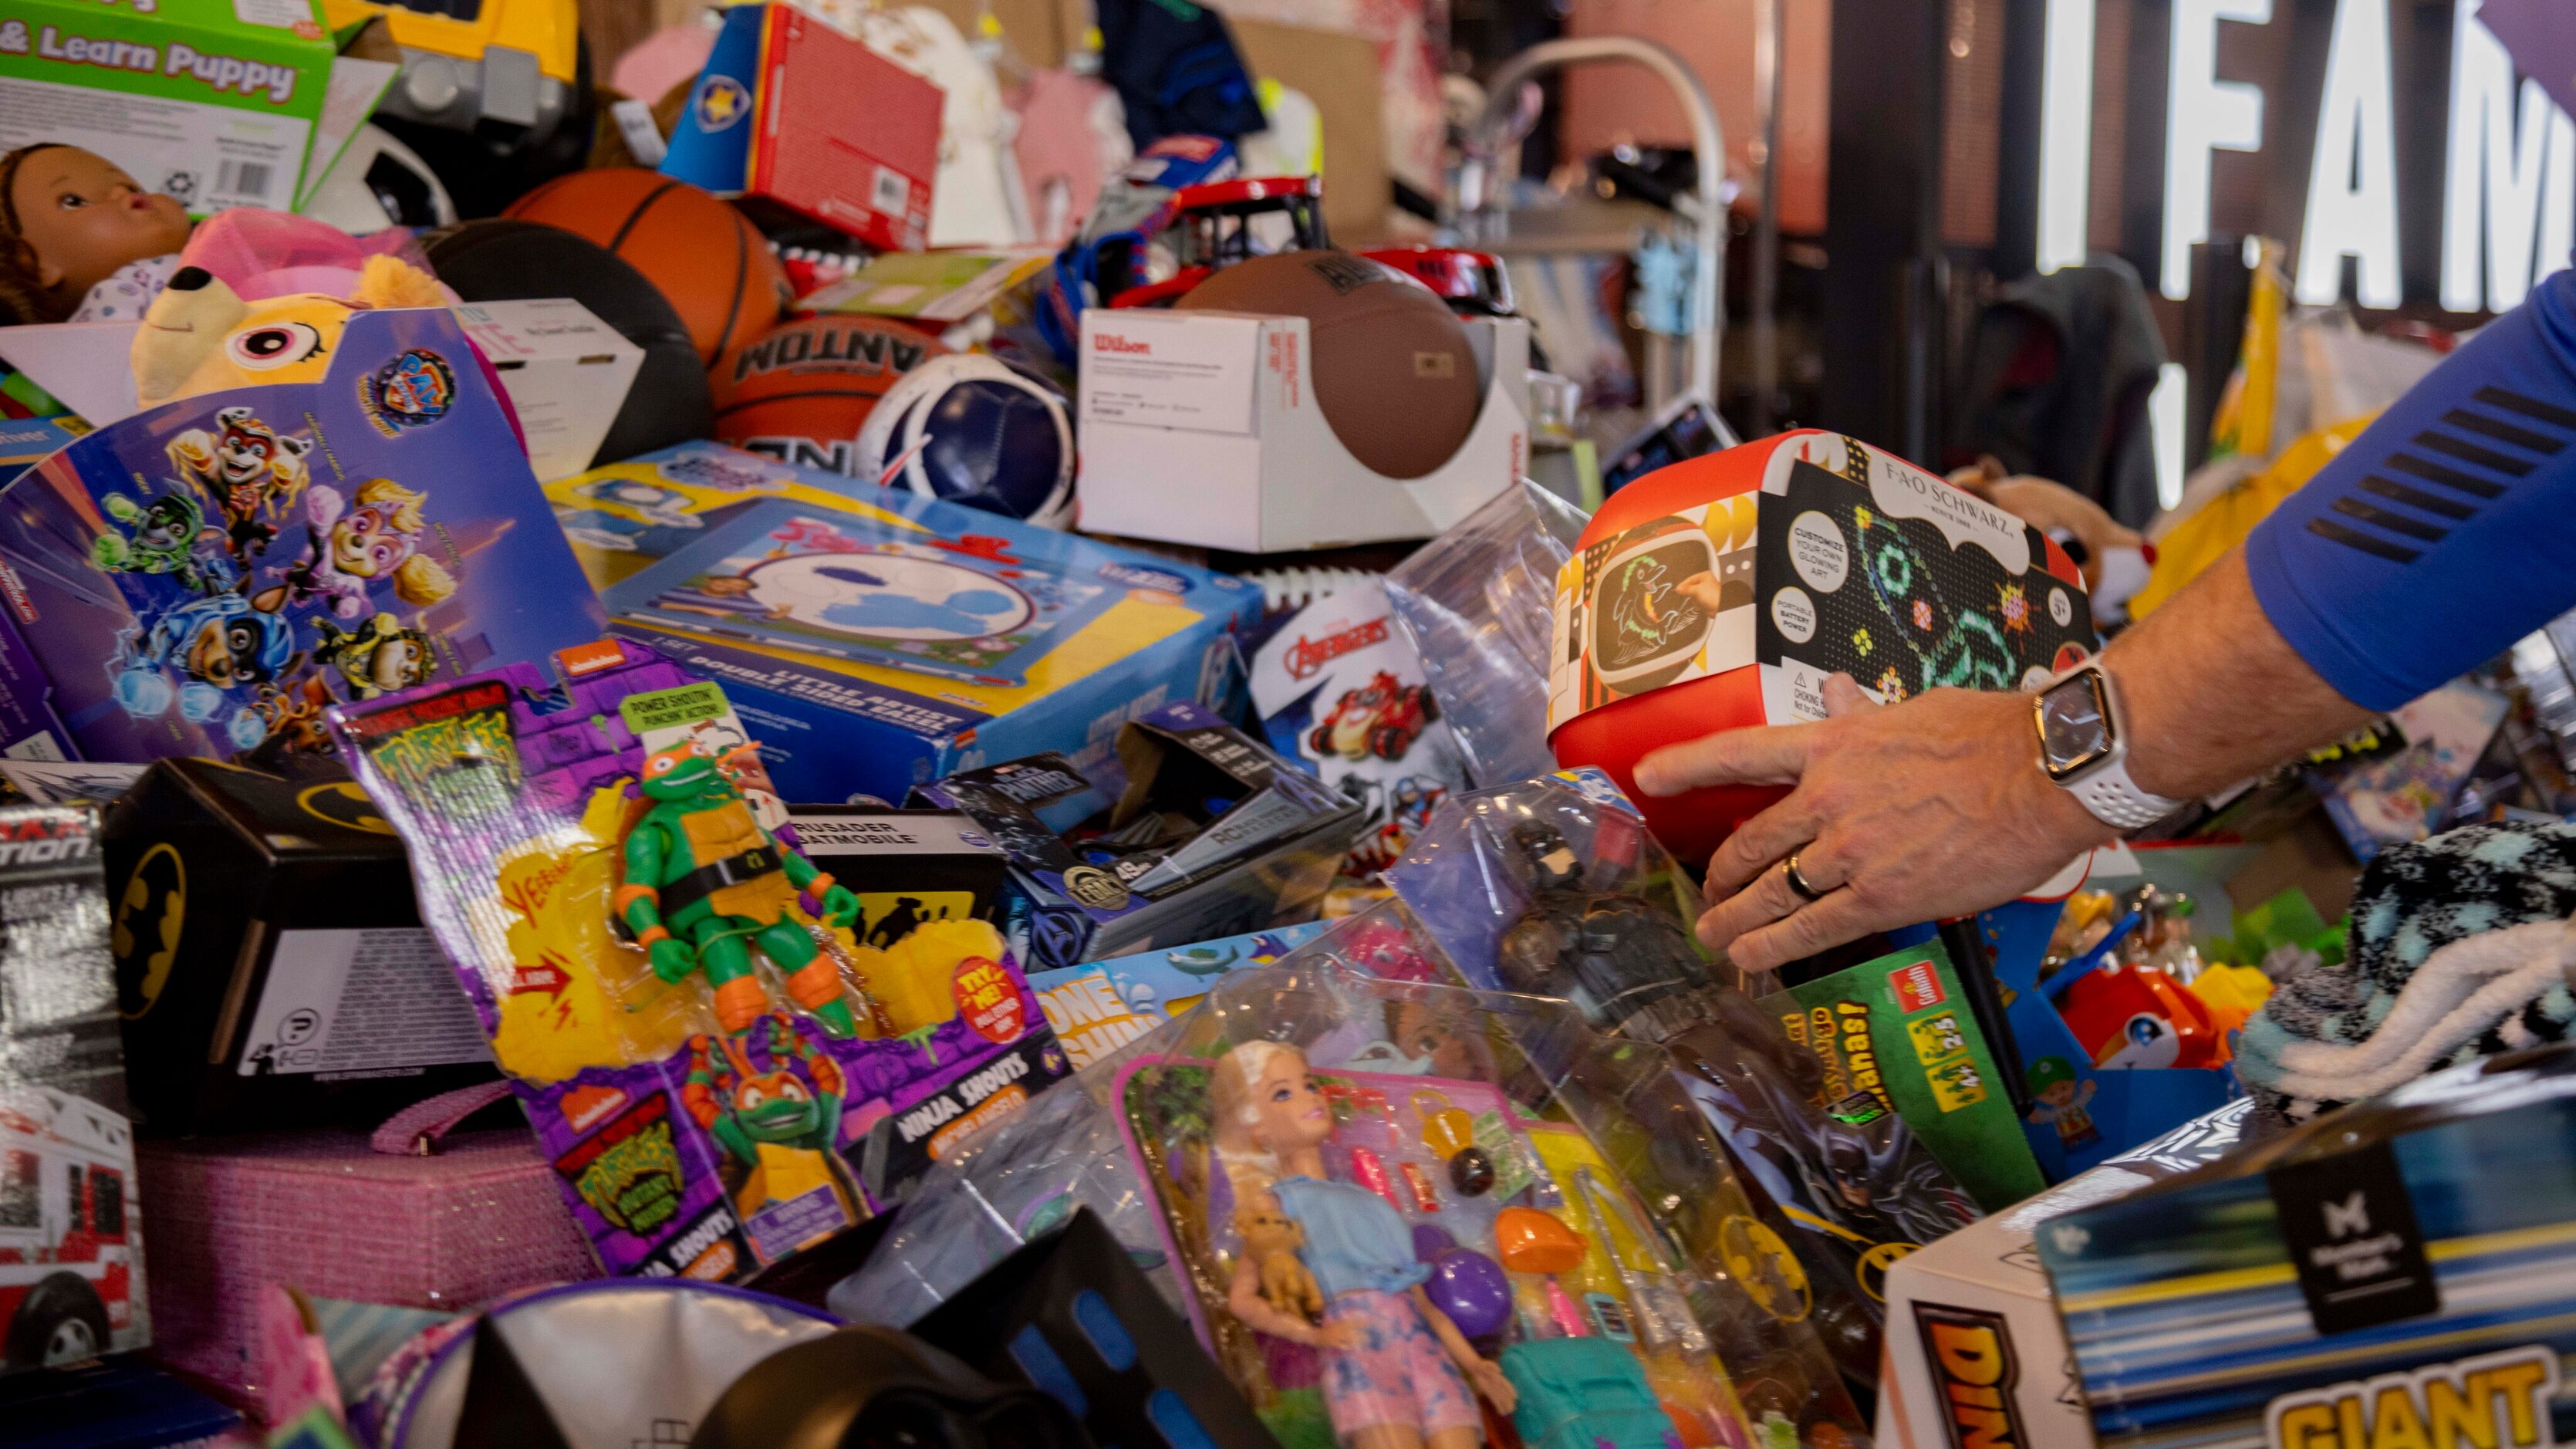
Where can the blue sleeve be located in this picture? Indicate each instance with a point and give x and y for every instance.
(2448, 529)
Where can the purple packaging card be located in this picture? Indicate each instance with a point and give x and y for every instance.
(515, 791)
(2541, 37)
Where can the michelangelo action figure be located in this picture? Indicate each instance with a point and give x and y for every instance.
(704, 881)
(779, 1128)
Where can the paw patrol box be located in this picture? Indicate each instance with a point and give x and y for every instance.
(1211, 834)
(2393, 1274)
(843, 619)
(207, 576)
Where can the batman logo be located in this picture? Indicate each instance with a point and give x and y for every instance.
(150, 909)
(344, 804)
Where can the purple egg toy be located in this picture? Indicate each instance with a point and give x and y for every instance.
(1471, 1289)
(1430, 1240)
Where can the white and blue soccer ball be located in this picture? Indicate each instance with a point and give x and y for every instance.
(970, 429)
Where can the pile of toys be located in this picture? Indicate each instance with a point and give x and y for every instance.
(761, 742)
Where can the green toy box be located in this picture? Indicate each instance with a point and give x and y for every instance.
(218, 103)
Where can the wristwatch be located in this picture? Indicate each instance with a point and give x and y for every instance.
(2084, 747)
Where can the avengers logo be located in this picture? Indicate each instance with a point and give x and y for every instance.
(144, 936)
(412, 391)
(1308, 655)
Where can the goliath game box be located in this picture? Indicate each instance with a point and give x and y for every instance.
(876, 639)
(206, 577)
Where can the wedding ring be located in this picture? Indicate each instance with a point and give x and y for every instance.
(1798, 882)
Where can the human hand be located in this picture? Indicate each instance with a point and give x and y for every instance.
(1491, 1382)
(1924, 810)
(1342, 1335)
(1702, 588)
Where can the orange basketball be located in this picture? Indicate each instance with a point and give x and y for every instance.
(706, 257)
(800, 391)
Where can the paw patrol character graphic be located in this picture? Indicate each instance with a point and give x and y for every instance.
(200, 336)
(780, 1126)
(168, 536)
(704, 884)
(292, 716)
(350, 545)
(252, 471)
(378, 657)
(1381, 718)
(215, 644)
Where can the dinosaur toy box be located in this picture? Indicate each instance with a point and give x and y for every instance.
(877, 639)
(726, 1054)
(206, 576)
(2392, 1273)
(1210, 834)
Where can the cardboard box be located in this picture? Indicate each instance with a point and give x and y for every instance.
(1098, 1008)
(1202, 428)
(71, 1227)
(566, 372)
(218, 103)
(791, 109)
(270, 960)
(2392, 1273)
(838, 728)
(167, 575)
(1159, 866)
(1975, 1354)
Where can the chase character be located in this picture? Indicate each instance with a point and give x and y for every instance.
(216, 644)
(2061, 1102)
(704, 884)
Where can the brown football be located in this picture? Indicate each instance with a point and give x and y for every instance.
(1394, 374)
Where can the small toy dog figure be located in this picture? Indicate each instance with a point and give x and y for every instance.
(1272, 1239)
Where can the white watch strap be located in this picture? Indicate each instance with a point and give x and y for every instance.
(2115, 799)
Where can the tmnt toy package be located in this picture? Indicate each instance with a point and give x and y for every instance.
(727, 1054)
(1555, 887)
(208, 576)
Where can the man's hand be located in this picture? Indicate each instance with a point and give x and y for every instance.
(1925, 810)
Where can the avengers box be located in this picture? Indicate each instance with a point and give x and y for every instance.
(204, 578)
(728, 1052)
(2392, 1274)
(876, 639)
(1211, 835)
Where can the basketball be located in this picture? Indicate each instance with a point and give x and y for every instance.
(1394, 375)
(800, 392)
(497, 260)
(706, 257)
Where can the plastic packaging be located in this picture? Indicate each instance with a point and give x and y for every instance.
(1555, 887)
(1478, 604)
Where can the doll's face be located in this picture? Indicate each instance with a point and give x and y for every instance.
(1289, 1110)
(85, 218)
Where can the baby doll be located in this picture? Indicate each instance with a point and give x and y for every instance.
(80, 239)
(1396, 1370)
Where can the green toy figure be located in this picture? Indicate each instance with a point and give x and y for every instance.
(704, 881)
(781, 1129)
(166, 532)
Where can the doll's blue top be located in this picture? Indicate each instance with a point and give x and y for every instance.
(2443, 533)
(1354, 1241)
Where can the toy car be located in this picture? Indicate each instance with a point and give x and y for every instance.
(1381, 718)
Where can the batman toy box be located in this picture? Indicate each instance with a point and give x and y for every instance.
(270, 962)
(208, 576)
(1213, 835)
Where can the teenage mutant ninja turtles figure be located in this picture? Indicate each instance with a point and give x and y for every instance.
(780, 1127)
(704, 884)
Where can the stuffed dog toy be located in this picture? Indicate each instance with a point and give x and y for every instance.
(199, 336)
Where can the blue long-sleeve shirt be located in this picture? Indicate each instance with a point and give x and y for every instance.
(2448, 529)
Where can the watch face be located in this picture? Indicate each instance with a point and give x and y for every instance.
(2074, 727)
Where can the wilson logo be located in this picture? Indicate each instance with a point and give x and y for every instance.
(1112, 342)
(1975, 1373)
(1308, 655)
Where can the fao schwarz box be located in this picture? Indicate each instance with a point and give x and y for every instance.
(2394, 1274)
(270, 960)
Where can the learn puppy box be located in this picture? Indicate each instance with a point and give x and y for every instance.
(1211, 835)
(1723, 591)
(843, 619)
(1202, 428)
(216, 103)
(2392, 1274)
(270, 961)
(1975, 1352)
